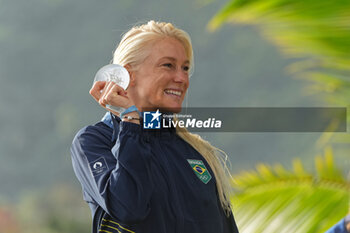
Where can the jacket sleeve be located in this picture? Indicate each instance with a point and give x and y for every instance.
(338, 228)
(116, 177)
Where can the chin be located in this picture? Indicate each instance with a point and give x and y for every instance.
(171, 109)
(165, 106)
(174, 108)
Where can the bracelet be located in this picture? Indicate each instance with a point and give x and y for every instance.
(131, 118)
(128, 110)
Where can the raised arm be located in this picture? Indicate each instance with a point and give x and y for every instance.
(116, 177)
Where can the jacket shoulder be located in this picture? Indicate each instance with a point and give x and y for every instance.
(96, 136)
(97, 131)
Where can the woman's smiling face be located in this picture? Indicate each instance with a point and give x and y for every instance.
(161, 81)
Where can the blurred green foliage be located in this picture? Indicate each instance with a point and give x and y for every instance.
(316, 32)
(55, 210)
(48, 211)
(274, 199)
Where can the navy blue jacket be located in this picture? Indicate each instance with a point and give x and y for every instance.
(140, 180)
(339, 227)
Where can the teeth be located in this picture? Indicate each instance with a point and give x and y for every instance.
(178, 93)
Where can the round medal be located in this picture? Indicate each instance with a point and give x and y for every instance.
(117, 74)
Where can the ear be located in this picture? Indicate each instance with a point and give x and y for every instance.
(131, 74)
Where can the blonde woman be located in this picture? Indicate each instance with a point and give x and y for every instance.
(148, 181)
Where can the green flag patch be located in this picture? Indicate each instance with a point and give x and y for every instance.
(200, 170)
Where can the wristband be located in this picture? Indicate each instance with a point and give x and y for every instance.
(131, 118)
(128, 110)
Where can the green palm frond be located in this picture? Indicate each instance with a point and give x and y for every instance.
(274, 199)
(318, 32)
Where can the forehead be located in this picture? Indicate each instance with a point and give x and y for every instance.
(168, 48)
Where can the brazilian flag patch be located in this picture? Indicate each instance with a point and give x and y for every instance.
(200, 170)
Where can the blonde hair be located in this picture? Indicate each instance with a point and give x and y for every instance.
(136, 44)
(132, 50)
(217, 160)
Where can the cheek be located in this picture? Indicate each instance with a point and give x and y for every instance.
(146, 87)
(187, 83)
(160, 94)
(152, 92)
(152, 88)
(187, 86)
(159, 86)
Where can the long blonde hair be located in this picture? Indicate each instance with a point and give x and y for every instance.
(132, 50)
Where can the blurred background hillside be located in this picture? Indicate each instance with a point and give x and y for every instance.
(50, 51)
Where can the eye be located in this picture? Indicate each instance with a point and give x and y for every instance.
(169, 65)
(186, 68)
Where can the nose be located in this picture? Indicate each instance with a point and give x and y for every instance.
(181, 77)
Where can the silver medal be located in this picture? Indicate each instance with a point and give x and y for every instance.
(117, 74)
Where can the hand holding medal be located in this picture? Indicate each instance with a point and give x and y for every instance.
(109, 87)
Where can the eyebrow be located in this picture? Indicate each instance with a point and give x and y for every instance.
(173, 59)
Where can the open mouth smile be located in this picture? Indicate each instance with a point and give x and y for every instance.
(173, 92)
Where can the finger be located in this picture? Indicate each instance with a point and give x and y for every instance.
(117, 100)
(118, 89)
(112, 87)
(116, 96)
(123, 93)
(96, 88)
(102, 98)
(111, 92)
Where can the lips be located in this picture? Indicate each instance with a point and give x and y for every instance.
(173, 92)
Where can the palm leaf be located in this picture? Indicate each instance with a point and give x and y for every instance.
(316, 32)
(274, 199)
